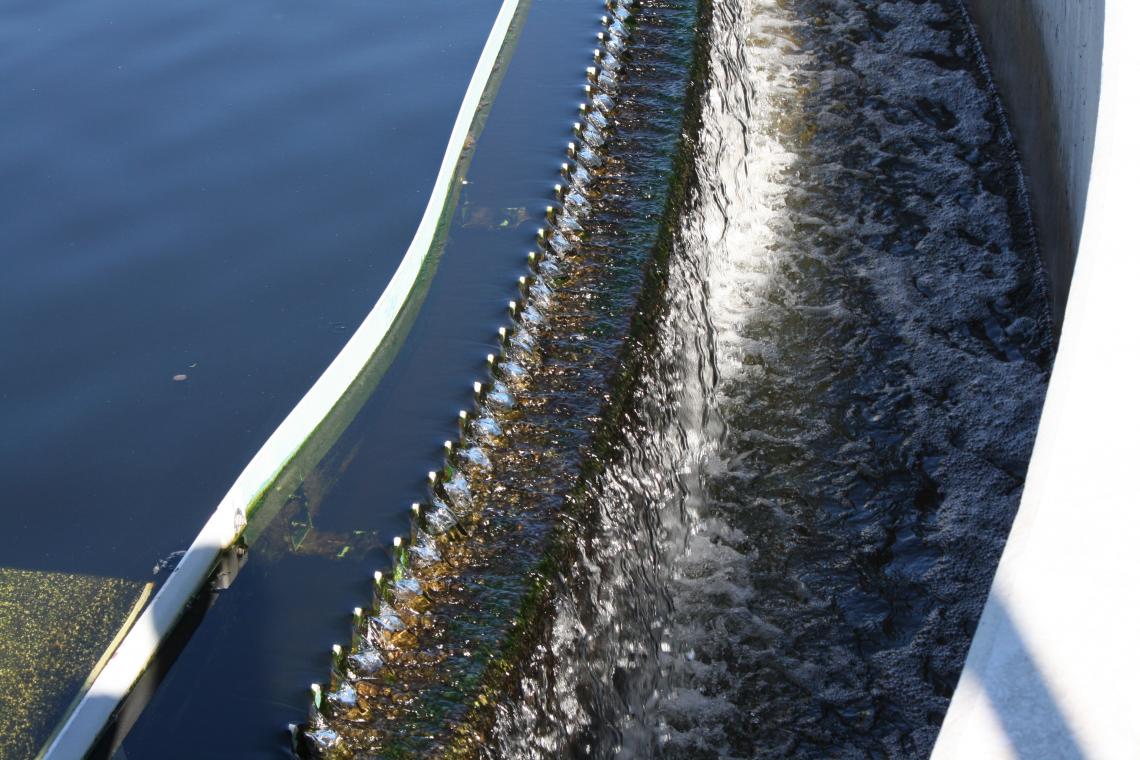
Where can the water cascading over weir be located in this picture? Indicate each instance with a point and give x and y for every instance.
(764, 523)
(437, 646)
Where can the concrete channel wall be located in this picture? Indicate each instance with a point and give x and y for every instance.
(1053, 670)
(1045, 56)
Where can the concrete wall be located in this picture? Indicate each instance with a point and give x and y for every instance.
(1054, 667)
(1046, 58)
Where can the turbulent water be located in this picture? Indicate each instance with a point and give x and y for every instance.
(826, 446)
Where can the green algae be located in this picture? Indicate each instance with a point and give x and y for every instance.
(56, 630)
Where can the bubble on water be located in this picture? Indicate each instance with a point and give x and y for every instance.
(366, 661)
(324, 739)
(345, 695)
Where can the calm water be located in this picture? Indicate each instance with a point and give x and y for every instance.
(218, 190)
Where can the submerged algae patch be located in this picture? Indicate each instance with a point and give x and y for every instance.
(56, 630)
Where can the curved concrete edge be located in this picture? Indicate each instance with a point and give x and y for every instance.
(84, 724)
(1053, 668)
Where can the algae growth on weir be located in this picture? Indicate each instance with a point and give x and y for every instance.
(434, 651)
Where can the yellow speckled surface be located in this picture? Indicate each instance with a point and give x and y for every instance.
(54, 630)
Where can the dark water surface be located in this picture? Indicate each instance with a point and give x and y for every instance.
(218, 190)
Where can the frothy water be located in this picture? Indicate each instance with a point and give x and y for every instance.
(827, 443)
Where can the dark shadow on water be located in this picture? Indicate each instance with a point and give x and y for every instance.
(124, 713)
(228, 566)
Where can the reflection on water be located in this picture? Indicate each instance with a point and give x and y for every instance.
(813, 481)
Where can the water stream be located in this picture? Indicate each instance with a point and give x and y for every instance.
(815, 475)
